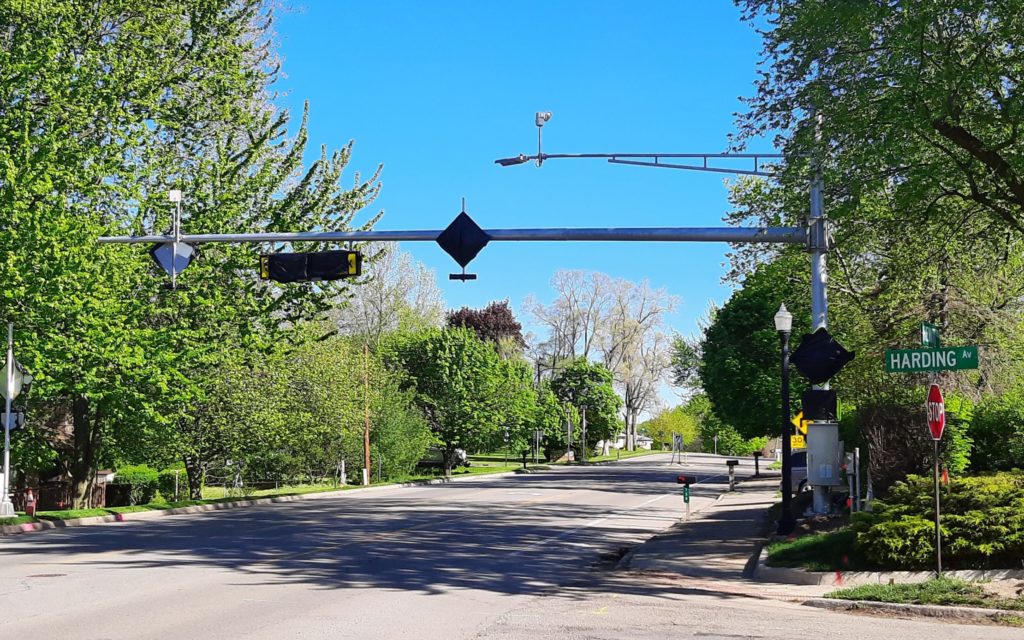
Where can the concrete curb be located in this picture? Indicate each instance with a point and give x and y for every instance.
(959, 614)
(791, 575)
(29, 527)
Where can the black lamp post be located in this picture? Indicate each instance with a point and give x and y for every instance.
(784, 324)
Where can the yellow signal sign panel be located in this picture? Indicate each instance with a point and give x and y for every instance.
(797, 442)
(800, 424)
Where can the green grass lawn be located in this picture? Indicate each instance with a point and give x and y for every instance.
(832, 551)
(18, 519)
(214, 495)
(943, 591)
(622, 455)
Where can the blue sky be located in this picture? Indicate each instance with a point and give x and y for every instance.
(436, 91)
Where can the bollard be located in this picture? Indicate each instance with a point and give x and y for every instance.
(732, 473)
(757, 467)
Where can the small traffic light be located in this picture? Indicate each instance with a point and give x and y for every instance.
(687, 480)
(820, 404)
(311, 267)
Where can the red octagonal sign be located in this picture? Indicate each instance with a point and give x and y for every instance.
(936, 412)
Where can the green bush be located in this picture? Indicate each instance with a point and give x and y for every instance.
(166, 483)
(142, 480)
(982, 523)
(997, 428)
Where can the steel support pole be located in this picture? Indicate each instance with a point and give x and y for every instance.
(818, 240)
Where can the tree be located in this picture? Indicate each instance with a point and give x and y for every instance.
(79, 108)
(495, 323)
(456, 378)
(670, 422)
(121, 107)
(582, 384)
(576, 318)
(922, 95)
(685, 362)
(740, 367)
(397, 293)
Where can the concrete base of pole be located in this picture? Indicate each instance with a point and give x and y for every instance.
(6, 509)
(821, 501)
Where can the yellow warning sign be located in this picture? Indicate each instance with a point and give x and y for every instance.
(797, 442)
(800, 424)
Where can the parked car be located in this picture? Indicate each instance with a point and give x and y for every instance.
(798, 469)
(434, 457)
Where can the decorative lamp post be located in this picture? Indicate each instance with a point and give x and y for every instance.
(15, 381)
(784, 325)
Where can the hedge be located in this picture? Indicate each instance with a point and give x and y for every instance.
(982, 524)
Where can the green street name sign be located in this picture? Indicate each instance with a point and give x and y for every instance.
(943, 359)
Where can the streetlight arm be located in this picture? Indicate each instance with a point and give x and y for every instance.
(653, 160)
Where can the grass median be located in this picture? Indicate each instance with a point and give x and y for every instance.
(941, 591)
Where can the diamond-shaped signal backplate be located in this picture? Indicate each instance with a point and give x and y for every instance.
(463, 239)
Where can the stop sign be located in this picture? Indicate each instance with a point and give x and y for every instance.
(936, 412)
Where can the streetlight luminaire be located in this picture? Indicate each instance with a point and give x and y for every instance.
(783, 319)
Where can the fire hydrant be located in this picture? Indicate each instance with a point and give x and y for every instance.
(30, 503)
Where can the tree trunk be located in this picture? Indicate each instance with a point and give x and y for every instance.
(195, 469)
(83, 466)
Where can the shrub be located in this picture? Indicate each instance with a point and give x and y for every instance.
(982, 523)
(166, 483)
(998, 431)
(142, 480)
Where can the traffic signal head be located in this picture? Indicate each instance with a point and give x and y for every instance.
(687, 480)
(311, 267)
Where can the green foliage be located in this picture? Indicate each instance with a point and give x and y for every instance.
(143, 482)
(997, 429)
(400, 435)
(172, 483)
(921, 95)
(740, 367)
(982, 523)
(458, 384)
(669, 422)
(581, 383)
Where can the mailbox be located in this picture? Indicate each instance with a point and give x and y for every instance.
(732, 463)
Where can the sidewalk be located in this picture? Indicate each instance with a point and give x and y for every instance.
(719, 542)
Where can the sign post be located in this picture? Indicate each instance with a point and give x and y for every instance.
(936, 423)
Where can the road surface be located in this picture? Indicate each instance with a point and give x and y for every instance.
(514, 557)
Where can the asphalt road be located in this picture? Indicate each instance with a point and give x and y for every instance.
(438, 561)
(513, 557)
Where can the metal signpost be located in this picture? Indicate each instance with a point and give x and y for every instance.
(936, 423)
